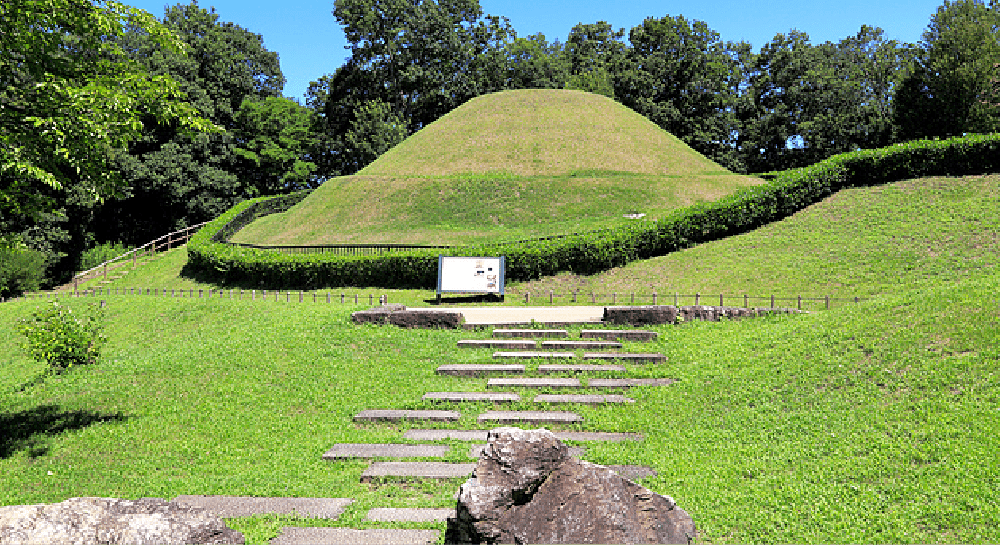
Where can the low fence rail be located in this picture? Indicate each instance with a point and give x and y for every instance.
(166, 242)
(551, 298)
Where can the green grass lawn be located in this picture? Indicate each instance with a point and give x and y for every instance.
(870, 423)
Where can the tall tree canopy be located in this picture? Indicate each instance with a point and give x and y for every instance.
(71, 97)
(951, 89)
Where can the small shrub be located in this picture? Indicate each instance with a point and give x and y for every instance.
(61, 339)
(21, 270)
(101, 253)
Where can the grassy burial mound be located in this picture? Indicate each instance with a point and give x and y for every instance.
(510, 165)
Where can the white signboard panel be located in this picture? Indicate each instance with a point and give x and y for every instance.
(470, 274)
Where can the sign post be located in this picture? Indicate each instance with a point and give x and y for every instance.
(470, 275)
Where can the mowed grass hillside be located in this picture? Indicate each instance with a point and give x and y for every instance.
(505, 166)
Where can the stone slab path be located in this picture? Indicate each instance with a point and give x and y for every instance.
(496, 343)
(396, 415)
(529, 417)
(480, 435)
(530, 333)
(623, 334)
(427, 470)
(532, 355)
(478, 370)
(626, 356)
(477, 450)
(459, 397)
(585, 399)
(244, 506)
(628, 382)
(405, 514)
(580, 345)
(374, 450)
(343, 536)
(533, 383)
(583, 368)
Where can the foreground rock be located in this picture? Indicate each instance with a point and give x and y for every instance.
(398, 315)
(109, 521)
(527, 489)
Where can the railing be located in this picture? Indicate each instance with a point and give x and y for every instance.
(168, 241)
(551, 298)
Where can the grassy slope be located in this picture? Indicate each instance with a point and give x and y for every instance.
(541, 168)
(859, 242)
(867, 423)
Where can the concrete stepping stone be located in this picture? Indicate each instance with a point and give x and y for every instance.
(625, 356)
(586, 399)
(628, 382)
(396, 415)
(403, 514)
(530, 333)
(364, 450)
(477, 370)
(583, 368)
(291, 535)
(531, 355)
(458, 397)
(245, 506)
(580, 345)
(533, 383)
(426, 470)
(477, 450)
(633, 472)
(622, 334)
(480, 435)
(497, 343)
(530, 417)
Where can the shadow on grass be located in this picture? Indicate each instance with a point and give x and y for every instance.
(480, 298)
(27, 430)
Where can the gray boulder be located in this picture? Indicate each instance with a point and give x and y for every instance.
(527, 489)
(110, 521)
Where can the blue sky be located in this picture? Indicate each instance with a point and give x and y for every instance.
(310, 43)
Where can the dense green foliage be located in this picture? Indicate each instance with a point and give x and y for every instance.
(747, 209)
(21, 269)
(60, 339)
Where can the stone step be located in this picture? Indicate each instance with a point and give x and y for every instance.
(459, 397)
(625, 356)
(402, 514)
(531, 355)
(395, 415)
(477, 450)
(365, 450)
(245, 506)
(530, 417)
(622, 334)
(478, 370)
(633, 472)
(497, 343)
(530, 333)
(533, 383)
(591, 399)
(628, 382)
(580, 345)
(480, 435)
(583, 368)
(426, 470)
(291, 535)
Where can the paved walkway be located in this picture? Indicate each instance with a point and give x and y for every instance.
(524, 315)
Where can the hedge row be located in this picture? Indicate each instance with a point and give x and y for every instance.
(745, 210)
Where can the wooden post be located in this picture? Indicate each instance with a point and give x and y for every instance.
(633, 297)
(342, 298)
(614, 298)
(370, 299)
(654, 297)
(550, 297)
(314, 297)
(720, 301)
(327, 297)
(827, 302)
(574, 296)
(855, 299)
(527, 297)
(697, 298)
(800, 302)
(772, 300)
(105, 271)
(675, 299)
(746, 301)
(355, 298)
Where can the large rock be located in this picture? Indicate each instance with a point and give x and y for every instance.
(109, 521)
(398, 315)
(527, 489)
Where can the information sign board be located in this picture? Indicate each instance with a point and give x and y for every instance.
(470, 274)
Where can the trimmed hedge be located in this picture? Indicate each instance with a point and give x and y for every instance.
(745, 210)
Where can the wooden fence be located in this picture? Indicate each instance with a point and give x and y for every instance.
(551, 298)
(166, 242)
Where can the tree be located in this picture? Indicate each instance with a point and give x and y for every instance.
(534, 63)
(70, 98)
(950, 89)
(274, 139)
(686, 80)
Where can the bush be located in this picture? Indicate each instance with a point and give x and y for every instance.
(21, 270)
(786, 193)
(60, 339)
(101, 253)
